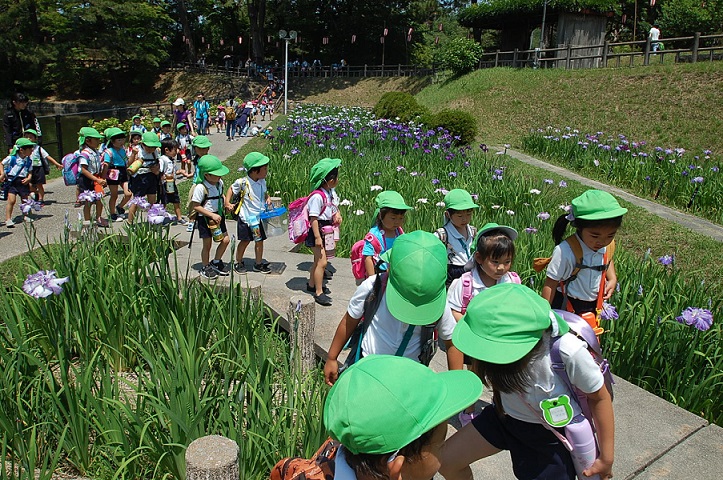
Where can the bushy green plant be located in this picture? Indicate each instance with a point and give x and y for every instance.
(398, 106)
(461, 55)
(460, 124)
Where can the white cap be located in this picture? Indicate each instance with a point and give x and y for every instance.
(179, 101)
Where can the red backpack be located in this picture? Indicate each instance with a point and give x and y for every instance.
(319, 467)
(358, 269)
(466, 280)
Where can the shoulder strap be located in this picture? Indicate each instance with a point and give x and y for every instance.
(574, 243)
(442, 234)
(473, 231)
(371, 305)
(514, 277)
(466, 280)
(558, 366)
(371, 238)
(405, 341)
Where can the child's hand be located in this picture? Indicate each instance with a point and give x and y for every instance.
(599, 467)
(331, 371)
(609, 289)
(318, 242)
(216, 218)
(336, 218)
(228, 207)
(25, 180)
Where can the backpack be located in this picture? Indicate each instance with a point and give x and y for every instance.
(191, 212)
(71, 167)
(358, 269)
(230, 113)
(299, 223)
(321, 466)
(442, 235)
(466, 280)
(540, 263)
(237, 200)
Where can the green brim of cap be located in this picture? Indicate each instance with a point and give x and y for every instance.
(423, 314)
(202, 142)
(31, 130)
(464, 206)
(617, 212)
(150, 143)
(220, 171)
(181, 125)
(166, 123)
(496, 350)
(135, 116)
(509, 231)
(320, 174)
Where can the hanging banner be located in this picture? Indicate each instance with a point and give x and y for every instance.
(386, 32)
(381, 40)
(436, 40)
(353, 38)
(440, 27)
(240, 40)
(409, 33)
(221, 42)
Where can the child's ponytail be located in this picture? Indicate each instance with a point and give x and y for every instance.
(558, 231)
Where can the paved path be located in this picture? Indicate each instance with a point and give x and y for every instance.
(692, 222)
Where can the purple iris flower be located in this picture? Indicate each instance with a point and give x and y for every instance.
(700, 318)
(43, 284)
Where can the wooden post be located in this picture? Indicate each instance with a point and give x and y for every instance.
(252, 289)
(399, 70)
(212, 458)
(365, 70)
(606, 47)
(302, 319)
(567, 59)
(514, 58)
(497, 58)
(646, 58)
(696, 45)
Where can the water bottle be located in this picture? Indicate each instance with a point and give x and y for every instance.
(255, 226)
(327, 233)
(216, 232)
(170, 186)
(584, 450)
(337, 233)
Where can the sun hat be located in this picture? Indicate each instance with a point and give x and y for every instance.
(24, 143)
(596, 205)
(166, 122)
(135, 132)
(150, 139)
(413, 398)
(459, 199)
(486, 230)
(255, 159)
(504, 322)
(179, 101)
(31, 130)
(156, 120)
(136, 116)
(201, 141)
(321, 169)
(389, 199)
(416, 292)
(211, 165)
(88, 132)
(114, 132)
(181, 125)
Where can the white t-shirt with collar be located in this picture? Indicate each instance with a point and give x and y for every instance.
(456, 289)
(587, 284)
(214, 199)
(385, 333)
(167, 166)
(254, 196)
(458, 247)
(315, 206)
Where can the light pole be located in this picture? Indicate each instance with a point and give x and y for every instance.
(286, 38)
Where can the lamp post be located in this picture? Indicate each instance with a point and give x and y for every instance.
(286, 38)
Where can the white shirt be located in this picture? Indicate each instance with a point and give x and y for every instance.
(212, 205)
(458, 247)
(38, 152)
(456, 289)
(316, 203)
(654, 34)
(580, 367)
(587, 284)
(385, 333)
(254, 196)
(91, 159)
(167, 166)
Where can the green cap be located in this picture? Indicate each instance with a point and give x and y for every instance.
(88, 132)
(135, 132)
(321, 169)
(156, 120)
(596, 205)
(413, 399)
(114, 132)
(416, 291)
(391, 199)
(492, 227)
(166, 122)
(150, 139)
(255, 159)
(24, 143)
(181, 125)
(504, 322)
(136, 116)
(211, 165)
(201, 141)
(31, 130)
(459, 199)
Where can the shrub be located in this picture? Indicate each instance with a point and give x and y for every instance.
(461, 55)
(458, 122)
(398, 104)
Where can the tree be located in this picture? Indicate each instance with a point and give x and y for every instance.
(257, 20)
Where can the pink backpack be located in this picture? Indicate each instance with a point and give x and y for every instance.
(358, 269)
(299, 216)
(466, 280)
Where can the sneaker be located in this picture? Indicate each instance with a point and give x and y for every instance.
(465, 418)
(323, 299)
(324, 289)
(328, 275)
(208, 271)
(189, 226)
(262, 268)
(220, 267)
(239, 268)
(10, 224)
(113, 217)
(120, 210)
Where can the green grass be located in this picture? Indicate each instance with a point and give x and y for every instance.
(667, 105)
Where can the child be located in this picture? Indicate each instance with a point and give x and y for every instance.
(40, 158)
(388, 222)
(185, 153)
(596, 216)
(17, 171)
(145, 182)
(492, 254)
(135, 143)
(169, 191)
(324, 176)
(412, 298)
(507, 330)
(157, 127)
(404, 439)
(253, 199)
(90, 179)
(137, 126)
(264, 105)
(115, 169)
(165, 133)
(221, 119)
(457, 234)
(201, 145)
(207, 201)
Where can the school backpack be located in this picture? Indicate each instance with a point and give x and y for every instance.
(299, 223)
(466, 280)
(321, 466)
(71, 167)
(358, 269)
(441, 233)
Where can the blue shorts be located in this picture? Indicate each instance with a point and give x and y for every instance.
(536, 452)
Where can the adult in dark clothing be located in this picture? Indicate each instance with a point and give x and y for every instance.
(242, 121)
(18, 118)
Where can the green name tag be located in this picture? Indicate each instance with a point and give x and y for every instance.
(557, 412)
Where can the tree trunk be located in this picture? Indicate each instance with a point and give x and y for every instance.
(257, 18)
(186, 27)
(476, 31)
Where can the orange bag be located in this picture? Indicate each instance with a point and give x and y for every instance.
(319, 467)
